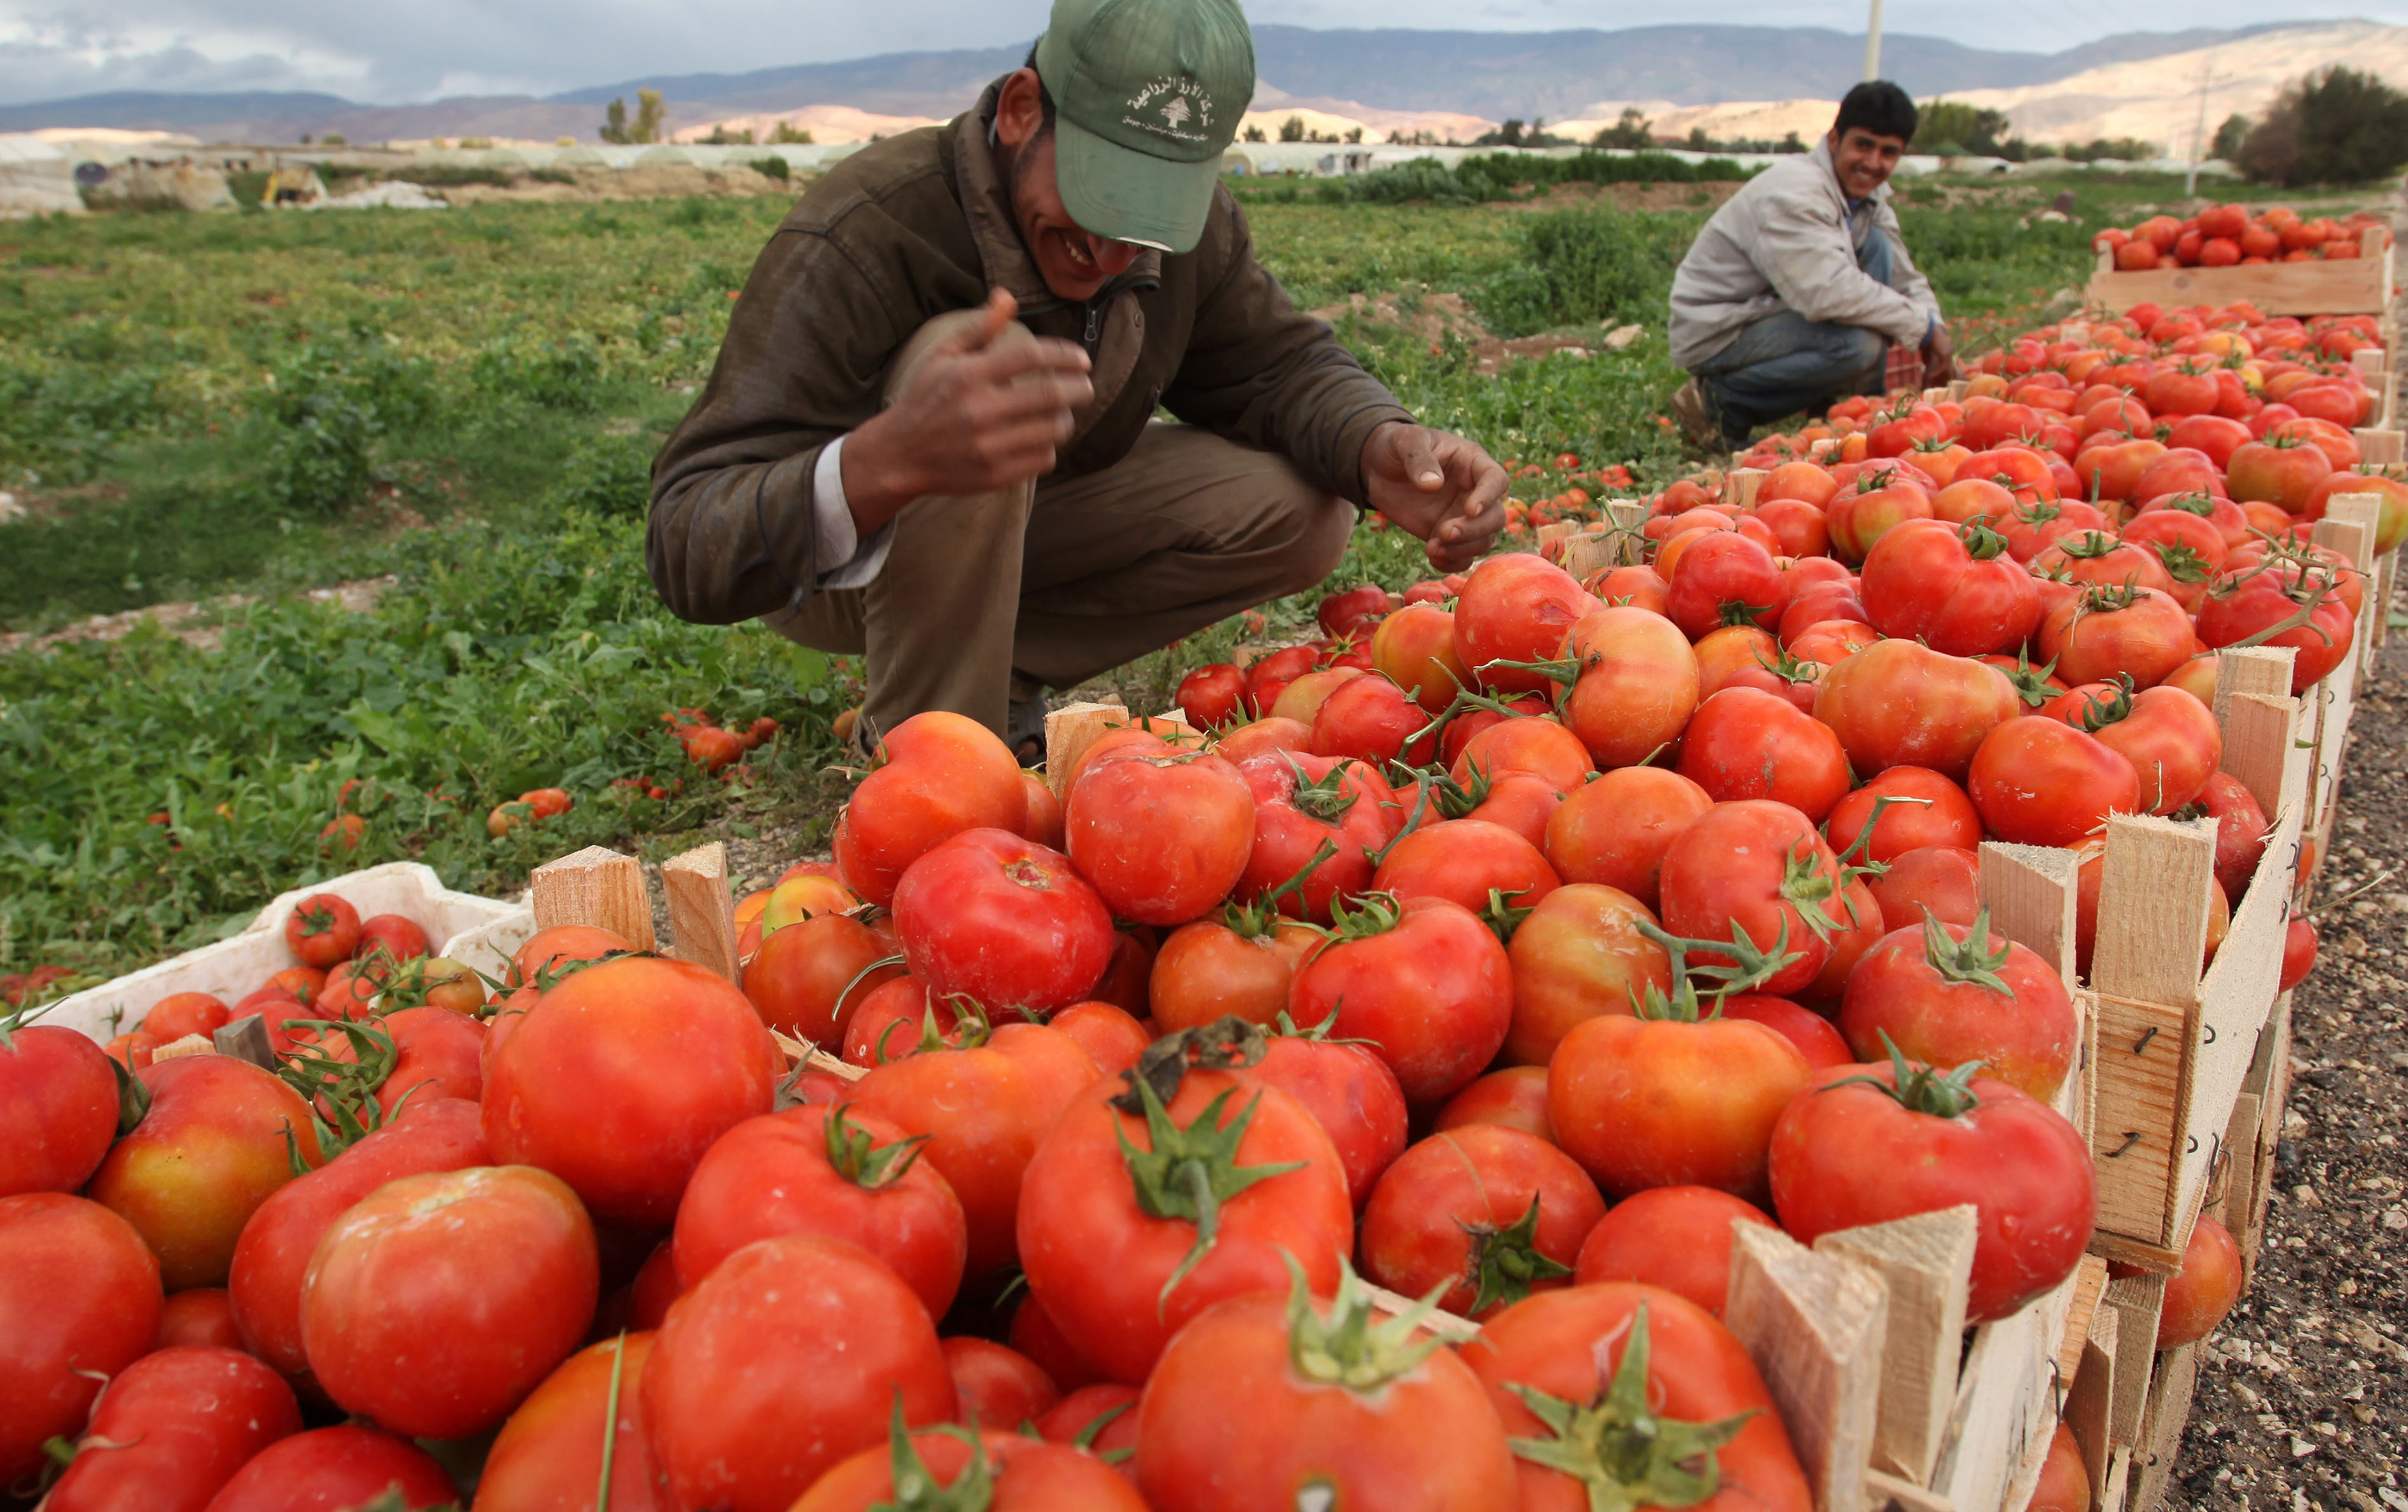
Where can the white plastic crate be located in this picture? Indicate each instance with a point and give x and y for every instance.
(476, 931)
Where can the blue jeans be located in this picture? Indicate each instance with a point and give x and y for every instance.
(1786, 362)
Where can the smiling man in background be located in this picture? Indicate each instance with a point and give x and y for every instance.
(1795, 291)
(931, 437)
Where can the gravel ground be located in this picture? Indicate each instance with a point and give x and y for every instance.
(2302, 1398)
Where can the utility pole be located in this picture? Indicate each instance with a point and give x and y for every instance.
(2198, 133)
(1872, 43)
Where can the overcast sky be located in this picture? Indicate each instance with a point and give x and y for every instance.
(423, 49)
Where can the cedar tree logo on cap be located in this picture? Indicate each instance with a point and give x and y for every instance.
(1147, 96)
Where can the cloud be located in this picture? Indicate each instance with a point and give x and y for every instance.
(420, 50)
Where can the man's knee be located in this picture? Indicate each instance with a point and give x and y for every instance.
(914, 352)
(1860, 350)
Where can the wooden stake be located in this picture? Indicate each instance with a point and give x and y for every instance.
(815, 1059)
(2382, 447)
(246, 1039)
(1586, 556)
(596, 886)
(176, 1049)
(2264, 670)
(1885, 1490)
(2136, 1300)
(2089, 1287)
(1813, 1325)
(2351, 526)
(2260, 732)
(702, 912)
(2369, 363)
(2089, 1401)
(1926, 1263)
(1741, 486)
(1070, 731)
(1554, 531)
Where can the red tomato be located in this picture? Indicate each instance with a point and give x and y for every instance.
(1810, 1031)
(1007, 923)
(1240, 964)
(398, 938)
(1945, 995)
(2036, 781)
(1900, 704)
(784, 1362)
(1494, 1213)
(437, 1304)
(1745, 744)
(1350, 1091)
(1099, 1418)
(179, 1014)
(1670, 1101)
(1928, 810)
(2281, 470)
(1163, 836)
(1637, 685)
(335, 1470)
(1675, 1237)
(1515, 1098)
(1953, 588)
(2298, 953)
(321, 930)
(1465, 859)
(622, 1075)
(1213, 696)
(549, 1455)
(1036, 1335)
(1111, 1036)
(439, 1054)
(2241, 827)
(1579, 954)
(208, 1153)
(79, 1300)
(272, 1258)
(2171, 738)
(58, 1109)
(1618, 1362)
(1371, 720)
(1868, 1144)
(1724, 578)
(1942, 882)
(1301, 804)
(1757, 870)
(1515, 607)
(200, 1319)
(2205, 1290)
(1112, 1234)
(2064, 1484)
(997, 1385)
(2036, 526)
(809, 977)
(1424, 982)
(1523, 744)
(1615, 830)
(547, 950)
(840, 1173)
(2249, 609)
(1003, 1472)
(944, 774)
(1262, 1400)
(1414, 648)
(172, 1429)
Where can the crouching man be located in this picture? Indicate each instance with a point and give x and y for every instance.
(931, 435)
(1798, 290)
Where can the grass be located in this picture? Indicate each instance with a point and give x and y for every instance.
(468, 402)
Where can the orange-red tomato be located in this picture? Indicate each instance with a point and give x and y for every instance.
(1579, 954)
(1646, 1102)
(79, 1298)
(1020, 1475)
(549, 1454)
(1496, 1213)
(943, 773)
(1675, 1237)
(1516, 1097)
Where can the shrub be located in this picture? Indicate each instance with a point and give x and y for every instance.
(555, 375)
(1580, 267)
(2336, 126)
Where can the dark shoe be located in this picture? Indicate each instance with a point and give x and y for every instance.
(1023, 730)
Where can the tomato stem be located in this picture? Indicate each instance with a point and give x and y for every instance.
(1617, 1446)
(1505, 1261)
(1189, 1173)
(1969, 961)
(1345, 1348)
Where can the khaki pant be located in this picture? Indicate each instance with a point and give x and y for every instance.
(992, 597)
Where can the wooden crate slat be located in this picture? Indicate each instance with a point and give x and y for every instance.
(702, 911)
(1813, 1325)
(2090, 1399)
(1927, 1263)
(595, 886)
(2136, 1300)
(2006, 1407)
(1071, 730)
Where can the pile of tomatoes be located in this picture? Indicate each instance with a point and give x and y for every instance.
(1106, 1139)
(2228, 235)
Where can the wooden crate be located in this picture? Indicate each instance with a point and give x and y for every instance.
(2358, 286)
(2174, 1045)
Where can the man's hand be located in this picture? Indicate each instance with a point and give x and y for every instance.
(1443, 488)
(980, 415)
(1939, 357)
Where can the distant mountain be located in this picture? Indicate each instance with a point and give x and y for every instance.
(1486, 74)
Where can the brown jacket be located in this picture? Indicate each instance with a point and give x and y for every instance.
(904, 231)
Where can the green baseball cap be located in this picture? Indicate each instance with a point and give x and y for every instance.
(1147, 96)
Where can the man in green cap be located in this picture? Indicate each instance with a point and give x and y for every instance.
(931, 435)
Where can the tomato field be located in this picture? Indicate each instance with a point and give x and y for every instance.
(1663, 1016)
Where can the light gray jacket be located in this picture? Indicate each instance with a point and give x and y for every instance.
(1790, 239)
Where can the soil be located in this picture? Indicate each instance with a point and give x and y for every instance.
(2302, 1398)
(1436, 317)
(196, 623)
